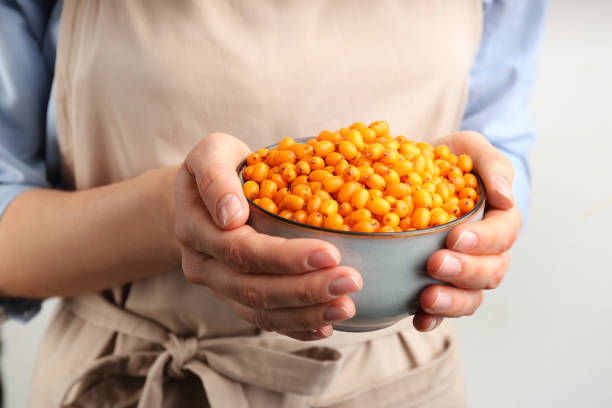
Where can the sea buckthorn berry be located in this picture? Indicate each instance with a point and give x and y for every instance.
(333, 221)
(405, 223)
(362, 214)
(427, 177)
(464, 162)
(390, 156)
(390, 199)
(391, 177)
(375, 181)
(302, 151)
(340, 167)
(333, 158)
(319, 175)
(374, 151)
(280, 195)
(386, 228)
(380, 127)
(443, 191)
(332, 184)
(285, 143)
(347, 190)
(380, 168)
(425, 146)
(329, 169)
(391, 219)
(441, 152)
(253, 158)
(422, 198)
(299, 180)
(451, 189)
(467, 192)
(454, 172)
(358, 125)
(398, 190)
(410, 202)
(315, 219)
(302, 168)
(466, 205)
(429, 187)
(400, 207)
(314, 204)
(286, 166)
(251, 189)
(362, 160)
(348, 150)
(437, 200)
(316, 163)
(420, 218)
(323, 194)
(268, 205)
(419, 163)
(314, 186)
(289, 174)
(302, 190)
(300, 216)
(356, 139)
(288, 214)
(327, 135)
(345, 209)
(374, 193)
(453, 200)
(368, 135)
(451, 218)
(283, 156)
(267, 188)
(391, 144)
(438, 217)
(414, 179)
(247, 173)
(379, 206)
(360, 198)
(292, 202)
(470, 180)
(452, 159)
(409, 150)
(364, 226)
(364, 171)
(263, 153)
(451, 208)
(323, 148)
(443, 166)
(351, 173)
(328, 207)
(459, 183)
(402, 167)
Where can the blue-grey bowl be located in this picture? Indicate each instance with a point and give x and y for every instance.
(393, 265)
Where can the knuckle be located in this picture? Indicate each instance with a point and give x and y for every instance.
(307, 295)
(261, 319)
(252, 298)
(234, 252)
(182, 233)
(305, 321)
(206, 178)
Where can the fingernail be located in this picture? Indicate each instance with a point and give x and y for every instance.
(433, 324)
(451, 266)
(335, 314)
(466, 241)
(228, 209)
(442, 302)
(503, 187)
(321, 259)
(343, 285)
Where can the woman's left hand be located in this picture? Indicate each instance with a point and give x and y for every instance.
(477, 256)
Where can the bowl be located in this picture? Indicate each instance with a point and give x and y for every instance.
(393, 265)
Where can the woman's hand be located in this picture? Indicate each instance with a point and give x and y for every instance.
(477, 256)
(291, 286)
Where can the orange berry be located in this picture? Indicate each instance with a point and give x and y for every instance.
(351, 173)
(319, 175)
(289, 174)
(348, 150)
(467, 192)
(451, 208)
(267, 188)
(422, 199)
(386, 228)
(328, 207)
(405, 223)
(362, 214)
(253, 158)
(333, 158)
(379, 206)
(251, 190)
(356, 139)
(420, 218)
(280, 195)
(436, 200)
(302, 168)
(391, 219)
(292, 202)
(323, 148)
(347, 190)
(359, 198)
(302, 190)
(466, 205)
(345, 209)
(464, 162)
(333, 221)
(380, 127)
(390, 156)
(323, 194)
(375, 181)
(365, 226)
(300, 216)
(314, 204)
(247, 173)
(316, 163)
(315, 219)
(402, 167)
(454, 172)
(414, 179)
(438, 217)
(398, 190)
(375, 151)
(441, 152)
(268, 205)
(332, 184)
(368, 135)
(285, 143)
(288, 214)
(470, 180)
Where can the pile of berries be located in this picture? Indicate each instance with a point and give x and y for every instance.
(360, 178)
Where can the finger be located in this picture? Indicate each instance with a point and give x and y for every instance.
(468, 271)
(251, 252)
(309, 335)
(298, 318)
(425, 322)
(273, 291)
(213, 164)
(493, 167)
(493, 235)
(450, 302)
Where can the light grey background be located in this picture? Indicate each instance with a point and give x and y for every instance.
(543, 338)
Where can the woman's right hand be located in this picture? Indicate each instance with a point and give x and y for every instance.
(292, 286)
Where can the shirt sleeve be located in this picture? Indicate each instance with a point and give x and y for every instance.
(501, 83)
(25, 83)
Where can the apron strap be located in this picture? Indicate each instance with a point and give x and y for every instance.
(221, 364)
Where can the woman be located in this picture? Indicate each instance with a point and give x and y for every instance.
(140, 88)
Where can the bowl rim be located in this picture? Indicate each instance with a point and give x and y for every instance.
(425, 231)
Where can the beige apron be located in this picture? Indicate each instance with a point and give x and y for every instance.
(139, 83)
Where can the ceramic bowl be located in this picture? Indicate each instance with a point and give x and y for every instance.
(392, 265)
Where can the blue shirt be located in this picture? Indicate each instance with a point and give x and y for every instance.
(501, 82)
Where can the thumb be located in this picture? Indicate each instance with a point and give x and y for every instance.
(213, 164)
